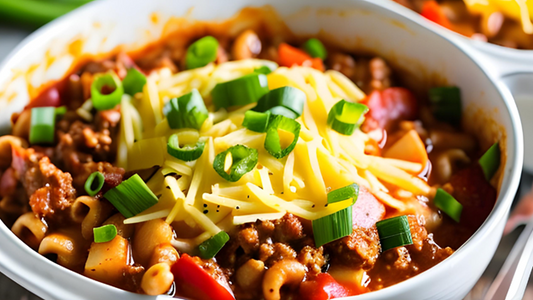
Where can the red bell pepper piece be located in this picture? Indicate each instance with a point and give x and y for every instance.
(322, 288)
(388, 106)
(289, 56)
(49, 97)
(192, 280)
(433, 12)
(317, 63)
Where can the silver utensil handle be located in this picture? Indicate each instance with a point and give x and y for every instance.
(511, 281)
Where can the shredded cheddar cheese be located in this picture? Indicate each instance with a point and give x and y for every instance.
(322, 160)
(520, 10)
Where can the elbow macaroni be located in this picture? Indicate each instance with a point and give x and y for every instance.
(68, 245)
(30, 229)
(90, 212)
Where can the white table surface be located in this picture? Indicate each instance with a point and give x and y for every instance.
(9, 290)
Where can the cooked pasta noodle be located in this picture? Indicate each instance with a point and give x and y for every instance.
(68, 245)
(6, 143)
(157, 280)
(148, 237)
(30, 229)
(124, 230)
(90, 212)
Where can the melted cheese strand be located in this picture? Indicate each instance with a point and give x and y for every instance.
(203, 162)
(288, 173)
(398, 177)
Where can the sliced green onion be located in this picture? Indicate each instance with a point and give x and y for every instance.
(287, 96)
(263, 70)
(94, 183)
(187, 111)
(283, 111)
(134, 82)
(131, 197)
(42, 125)
(201, 52)
(101, 100)
(490, 161)
(272, 139)
(241, 91)
(104, 233)
(315, 48)
(61, 110)
(343, 193)
(338, 224)
(256, 121)
(394, 232)
(186, 153)
(445, 104)
(447, 203)
(244, 160)
(35, 13)
(401, 239)
(344, 117)
(209, 248)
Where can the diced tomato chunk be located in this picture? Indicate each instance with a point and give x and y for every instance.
(433, 12)
(49, 97)
(192, 280)
(476, 195)
(289, 56)
(389, 106)
(323, 287)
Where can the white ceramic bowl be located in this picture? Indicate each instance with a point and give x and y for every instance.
(515, 69)
(382, 27)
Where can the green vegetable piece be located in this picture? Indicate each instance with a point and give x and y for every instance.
(187, 111)
(35, 13)
(201, 52)
(209, 248)
(338, 224)
(244, 160)
(282, 111)
(186, 153)
(42, 125)
(134, 82)
(106, 91)
(287, 96)
(394, 232)
(490, 161)
(272, 139)
(241, 91)
(445, 104)
(447, 203)
(315, 48)
(131, 197)
(94, 183)
(256, 121)
(60, 111)
(104, 234)
(263, 70)
(344, 117)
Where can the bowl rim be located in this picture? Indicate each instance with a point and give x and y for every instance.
(512, 170)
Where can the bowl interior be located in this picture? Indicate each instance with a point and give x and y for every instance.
(428, 59)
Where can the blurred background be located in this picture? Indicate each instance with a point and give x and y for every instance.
(19, 18)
